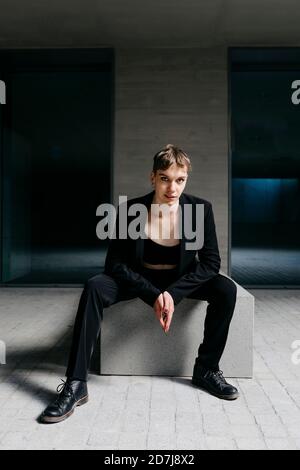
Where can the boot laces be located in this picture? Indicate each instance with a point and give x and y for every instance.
(218, 375)
(65, 391)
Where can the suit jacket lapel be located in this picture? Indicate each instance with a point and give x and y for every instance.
(139, 246)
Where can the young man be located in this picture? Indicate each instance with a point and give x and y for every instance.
(161, 271)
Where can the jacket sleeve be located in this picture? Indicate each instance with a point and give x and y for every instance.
(117, 267)
(206, 268)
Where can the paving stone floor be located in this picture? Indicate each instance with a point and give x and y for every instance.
(140, 412)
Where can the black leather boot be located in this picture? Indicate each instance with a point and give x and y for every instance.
(72, 393)
(214, 383)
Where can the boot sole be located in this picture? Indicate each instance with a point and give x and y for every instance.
(58, 419)
(200, 385)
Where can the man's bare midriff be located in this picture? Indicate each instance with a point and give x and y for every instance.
(159, 266)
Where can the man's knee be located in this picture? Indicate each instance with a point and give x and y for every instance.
(90, 284)
(93, 282)
(226, 289)
(103, 287)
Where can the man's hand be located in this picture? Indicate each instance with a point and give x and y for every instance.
(164, 309)
(158, 309)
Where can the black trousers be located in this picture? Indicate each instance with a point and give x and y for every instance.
(101, 291)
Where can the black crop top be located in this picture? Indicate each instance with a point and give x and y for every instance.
(154, 253)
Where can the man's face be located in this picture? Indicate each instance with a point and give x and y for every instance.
(170, 182)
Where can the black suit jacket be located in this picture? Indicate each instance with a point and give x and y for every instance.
(124, 256)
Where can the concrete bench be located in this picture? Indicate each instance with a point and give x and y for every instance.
(133, 342)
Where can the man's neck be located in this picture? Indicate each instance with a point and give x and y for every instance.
(173, 208)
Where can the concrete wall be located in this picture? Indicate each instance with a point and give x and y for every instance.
(174, 96)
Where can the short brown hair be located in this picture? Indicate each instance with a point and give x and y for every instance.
(170, 154)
